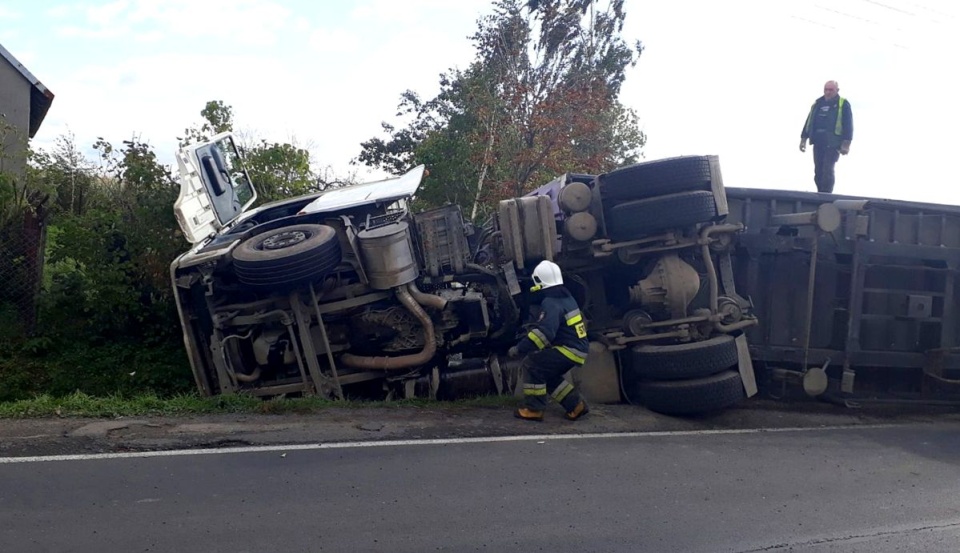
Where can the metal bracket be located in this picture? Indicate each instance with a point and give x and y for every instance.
(321, 384)
(726, 274)
(510, 274)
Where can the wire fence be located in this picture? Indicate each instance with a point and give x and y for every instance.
(22, 241)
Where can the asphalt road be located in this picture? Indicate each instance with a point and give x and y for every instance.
(874, 489)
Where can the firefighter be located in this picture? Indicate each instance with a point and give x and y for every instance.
(555, 343)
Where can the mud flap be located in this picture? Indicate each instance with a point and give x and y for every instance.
(598, 380)
(746, 366)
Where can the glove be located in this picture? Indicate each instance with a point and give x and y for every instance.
(803, 144)
(845, 147)
(513, 352)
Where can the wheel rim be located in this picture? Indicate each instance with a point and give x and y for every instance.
(284, 239)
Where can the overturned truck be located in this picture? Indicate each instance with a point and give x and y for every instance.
(348, 293)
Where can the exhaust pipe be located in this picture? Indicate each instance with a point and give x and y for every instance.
(405, 295)
(426, 300)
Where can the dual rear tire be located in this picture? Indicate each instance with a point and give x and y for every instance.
(684, 379)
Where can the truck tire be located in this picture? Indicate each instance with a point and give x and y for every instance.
(287, 256)
(688, 397)
(680, 361)
(656, 178)
(640, 218)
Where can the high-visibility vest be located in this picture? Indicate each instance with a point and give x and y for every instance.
(838, 128)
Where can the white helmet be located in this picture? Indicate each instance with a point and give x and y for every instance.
(546, 275)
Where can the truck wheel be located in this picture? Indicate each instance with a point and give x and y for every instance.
(287, 256)
(636, 219)
(680, 361)
(656, 178)
(687, 397)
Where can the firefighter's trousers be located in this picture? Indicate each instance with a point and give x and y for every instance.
(543, 379)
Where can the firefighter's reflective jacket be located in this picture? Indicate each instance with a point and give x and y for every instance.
(560, 325)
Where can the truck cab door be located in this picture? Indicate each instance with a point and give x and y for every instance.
(215, 188)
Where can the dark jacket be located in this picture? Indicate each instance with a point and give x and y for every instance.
(821, 123)
(559, 325)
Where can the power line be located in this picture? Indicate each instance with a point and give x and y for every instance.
(805, 20)
(825, 25)
(931, 10)
(851, 16)
(889, 7)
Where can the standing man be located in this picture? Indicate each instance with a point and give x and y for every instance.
(556, 343)
(829, 127)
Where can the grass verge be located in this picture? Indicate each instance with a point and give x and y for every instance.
(80, 404)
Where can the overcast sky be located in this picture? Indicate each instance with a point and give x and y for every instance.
(732, 78)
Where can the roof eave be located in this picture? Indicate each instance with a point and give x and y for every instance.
(41, 97)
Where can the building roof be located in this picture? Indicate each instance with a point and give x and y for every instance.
(40, 95)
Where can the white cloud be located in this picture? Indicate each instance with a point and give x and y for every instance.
(151, 37)
(94, 33)
(411, 12)
(9, 14)
(329, 41)
(732, 78)
(61, 11)
(243, 22)
(256, 22)
(107, 14)
(301, 25)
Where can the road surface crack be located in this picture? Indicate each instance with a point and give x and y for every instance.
(854, 537)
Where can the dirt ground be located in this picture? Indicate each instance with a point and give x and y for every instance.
(60, 436)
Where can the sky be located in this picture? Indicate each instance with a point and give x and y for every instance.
(733, 78)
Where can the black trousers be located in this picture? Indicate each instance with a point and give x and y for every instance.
(824, 159)
(543, 374)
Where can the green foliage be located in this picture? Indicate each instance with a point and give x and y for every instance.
(106, 310)
(279, 170)
(80, 404)
(539, 99)
(64, 174)
(96, 367)
(108, 321)
(217, 118)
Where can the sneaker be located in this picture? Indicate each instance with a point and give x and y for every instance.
(580, 410)
(528, 415)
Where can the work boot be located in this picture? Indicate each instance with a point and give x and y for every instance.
(528, 415)
(580, 410)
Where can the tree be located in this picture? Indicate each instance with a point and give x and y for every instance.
(539, 99)
(217, 118)
(278, 170)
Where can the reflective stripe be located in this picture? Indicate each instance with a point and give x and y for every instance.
(562, 391)
(809, 124)
(538, 338)
(534, 389)
(575, 319)
(839, 128)
(576, 356)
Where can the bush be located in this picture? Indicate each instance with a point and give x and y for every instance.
(108, 323)
(43, 366)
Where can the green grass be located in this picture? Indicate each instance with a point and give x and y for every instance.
(80, 404)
